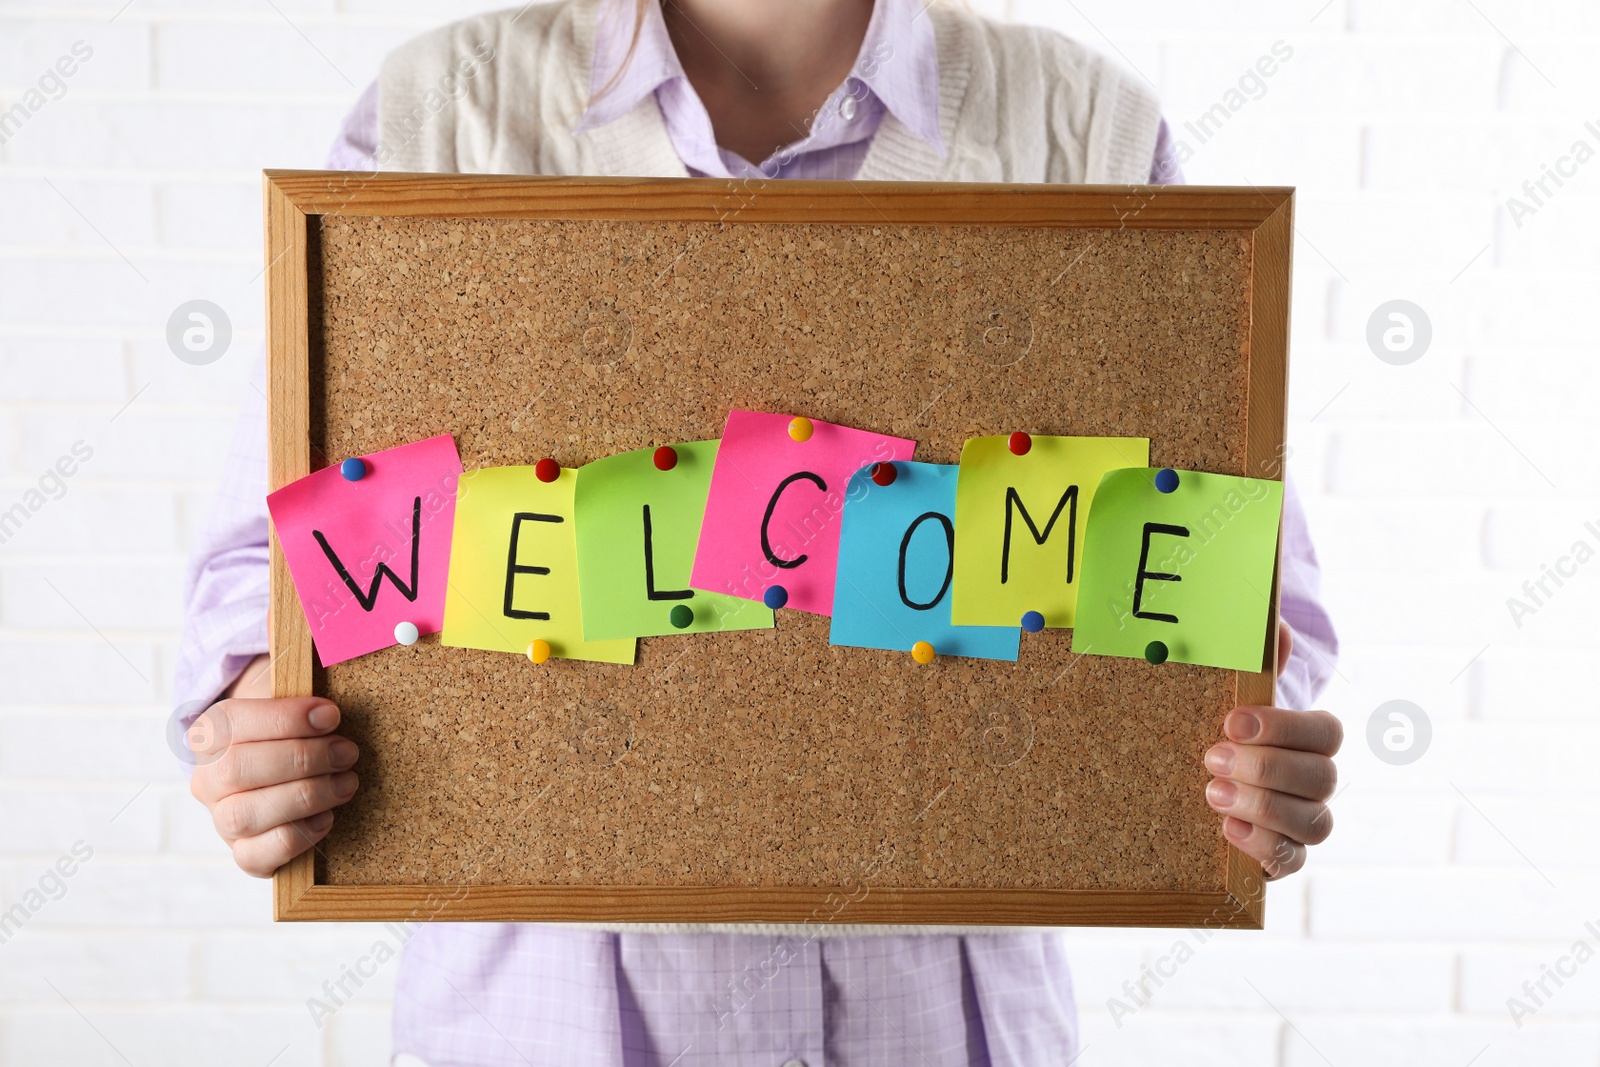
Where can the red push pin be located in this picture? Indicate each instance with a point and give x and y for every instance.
(883, 473)
(1020, 443)
(666, 458)
(547, 470)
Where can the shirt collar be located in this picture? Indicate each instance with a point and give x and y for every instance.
(654, 62)
(898, 62)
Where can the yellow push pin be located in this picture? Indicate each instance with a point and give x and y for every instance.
(538, 650)
(922, 652)
(800, 428)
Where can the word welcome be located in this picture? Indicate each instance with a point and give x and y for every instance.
(787, 512)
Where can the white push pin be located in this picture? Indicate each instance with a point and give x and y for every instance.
(406, 633)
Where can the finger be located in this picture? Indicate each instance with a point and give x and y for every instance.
(1302, 774)
(1304, 731)
(265, 763)
(237, 720)
(263, 854)
(255, 811)
(1277, 854)
(1285, 645)
(1300, 820)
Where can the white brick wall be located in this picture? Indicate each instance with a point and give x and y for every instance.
(1435, 491)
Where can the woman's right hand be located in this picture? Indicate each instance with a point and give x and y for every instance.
(270, 770)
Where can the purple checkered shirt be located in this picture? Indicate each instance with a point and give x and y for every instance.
(521, 994)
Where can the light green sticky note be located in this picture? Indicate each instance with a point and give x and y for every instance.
(514, 568)
(637, 531)
(1020, 523)
(1191, 569)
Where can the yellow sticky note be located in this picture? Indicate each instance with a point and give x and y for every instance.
(1021, 521)
(514, 568)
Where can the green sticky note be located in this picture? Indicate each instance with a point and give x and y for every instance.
(637, 531)
(514, 568)
(1191, 569)
(1020, 523)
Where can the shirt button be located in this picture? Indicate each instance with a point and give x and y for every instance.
(847, 110)
(794, 1063)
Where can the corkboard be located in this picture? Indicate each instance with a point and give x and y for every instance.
(766, 775)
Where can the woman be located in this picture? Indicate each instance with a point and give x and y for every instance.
(740, 89)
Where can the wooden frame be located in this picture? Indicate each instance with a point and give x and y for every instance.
(294, 200)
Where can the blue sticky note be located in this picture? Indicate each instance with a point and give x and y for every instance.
(896, 553)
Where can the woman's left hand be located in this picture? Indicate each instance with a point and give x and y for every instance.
(1272, 778)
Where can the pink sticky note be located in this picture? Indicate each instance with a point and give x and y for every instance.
(772, 516)
(369, 554)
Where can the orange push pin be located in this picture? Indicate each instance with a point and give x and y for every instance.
(800, 428)
(538, 650)
(922, 652)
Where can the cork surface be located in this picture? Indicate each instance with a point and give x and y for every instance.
(770, 758)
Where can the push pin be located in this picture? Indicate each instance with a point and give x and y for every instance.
(1032, 621)
(800, 428)
(406, 632)
(1019, 443)
(1156, 652)
(354, 469)
(547, 470)
(884, 473)
(1166, 480)
(922, 652)
(775, 597)
(538, 650)
(666, 458)
(681, 616)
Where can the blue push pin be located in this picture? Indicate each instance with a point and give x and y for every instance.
(1032, 621)
(775, 597)
(1166, 480)
(354, 469)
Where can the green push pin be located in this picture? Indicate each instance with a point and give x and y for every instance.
(681, 616)
(1156, 652)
